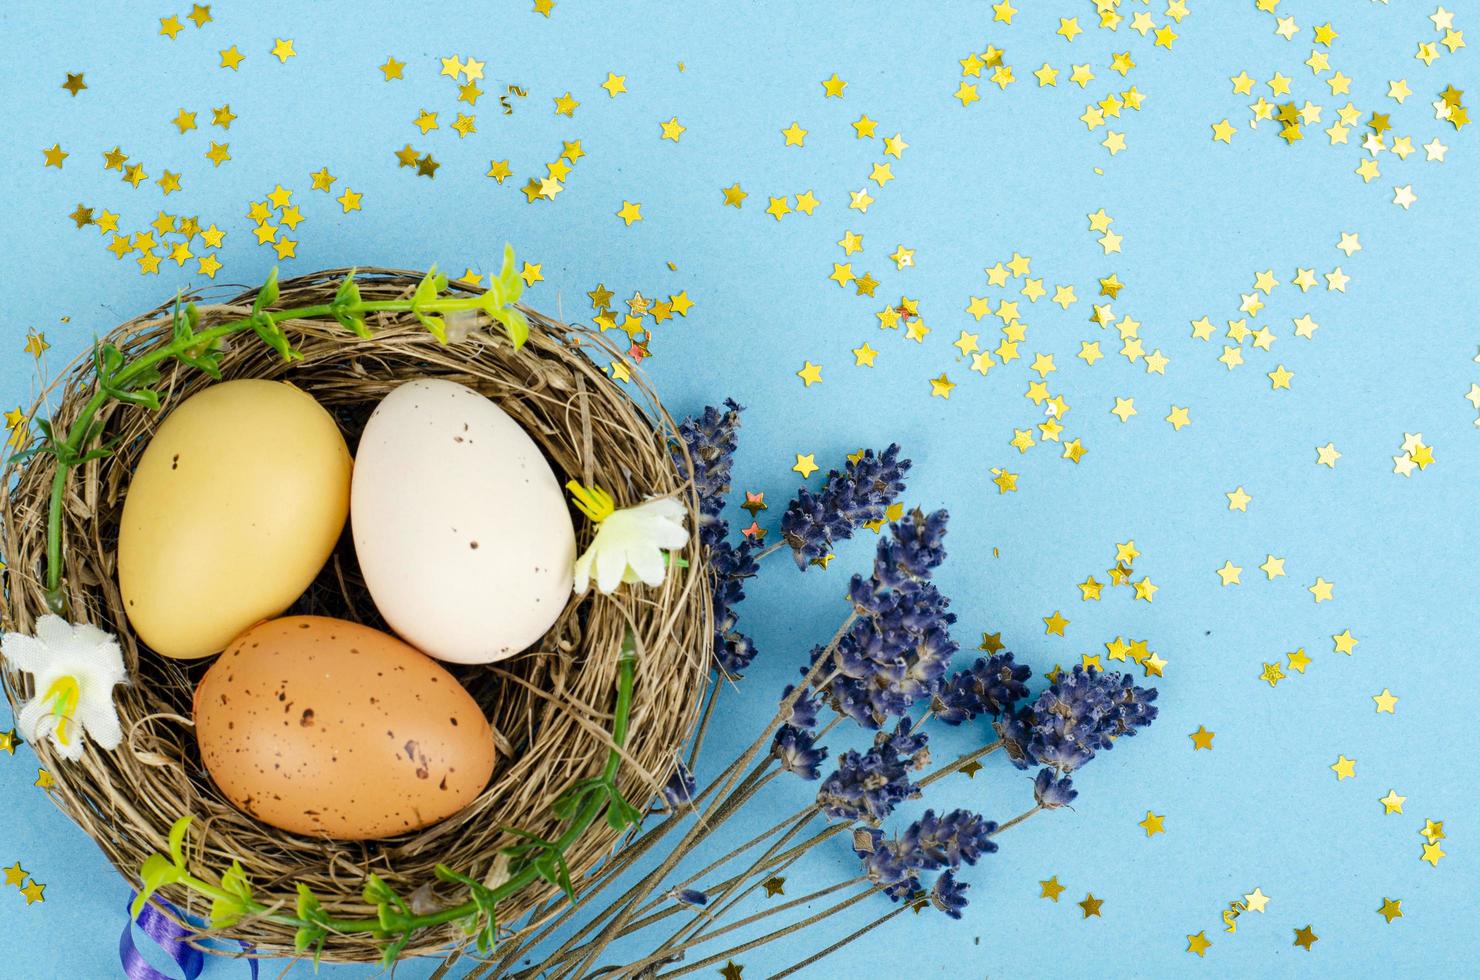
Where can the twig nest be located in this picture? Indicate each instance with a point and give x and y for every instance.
(549, 709)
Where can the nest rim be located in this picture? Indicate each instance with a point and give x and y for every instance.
(553, 700)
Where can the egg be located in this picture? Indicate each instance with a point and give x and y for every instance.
(234, 507)
(460, 526)
(325, 727)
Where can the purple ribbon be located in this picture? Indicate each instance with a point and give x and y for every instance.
(170, 937)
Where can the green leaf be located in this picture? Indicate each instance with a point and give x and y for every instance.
(268, 294)
(345, 304)
(235, 881)
(434, 324)
(177, 840)
(99, 452)
(147, 397)
(228, 911)
(272, 334)
(516, 325)
(154, 874)
(377, 892)
(206, 362)
(427, 291)
(308, 903)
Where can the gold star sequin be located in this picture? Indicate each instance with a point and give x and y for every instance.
(630, 212)
(1050, 889)
(806, 464)
(1202, 739)
(1198, 943)
(1305, 938)
(33, 892)
(282, 49)
(794, 134)
(1344, 768)
(1153, 824)
(1091, 905)
(232, 58)
(1392, 802)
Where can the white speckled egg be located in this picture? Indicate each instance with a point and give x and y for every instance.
(460, 525)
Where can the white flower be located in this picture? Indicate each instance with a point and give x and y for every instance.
(74, 669)
(630, 543)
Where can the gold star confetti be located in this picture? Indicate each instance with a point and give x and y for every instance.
(630, 212)
(1198, 943)
(1344, 768)
(1392, 802)
(1153, 824)
(282, 49)
(1238, 500)
(33, 892)
(806, 464)
(1091, 905)
(1305, 938)
(1202, 739)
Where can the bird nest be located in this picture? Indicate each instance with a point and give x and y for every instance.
(551, 709)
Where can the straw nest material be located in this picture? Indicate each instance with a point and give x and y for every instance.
(550, 708)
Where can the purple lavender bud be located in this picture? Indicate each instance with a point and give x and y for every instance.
(803, 711)
(688, 896)
(949, 895)
(797, 751)
(680, 787)
(1052, 793)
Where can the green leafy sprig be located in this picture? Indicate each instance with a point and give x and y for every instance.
(133, 382)
(395, 924)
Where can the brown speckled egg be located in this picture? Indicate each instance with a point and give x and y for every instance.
(329, 728)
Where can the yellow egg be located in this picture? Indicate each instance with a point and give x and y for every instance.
(234, 507)
(325, 727)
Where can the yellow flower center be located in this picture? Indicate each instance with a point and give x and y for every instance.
(63, 695)
(592, 501)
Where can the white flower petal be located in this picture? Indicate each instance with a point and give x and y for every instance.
(611, 564)
(31, 722)
(24, 652)
(582, 577)
(99, 720)
(647, 564)
(55, 632)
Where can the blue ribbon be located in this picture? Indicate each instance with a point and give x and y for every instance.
(170, 937)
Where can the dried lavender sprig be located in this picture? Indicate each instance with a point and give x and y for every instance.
(1083, 712)
(814, 522)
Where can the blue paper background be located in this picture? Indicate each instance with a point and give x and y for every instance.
(1014, 172)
